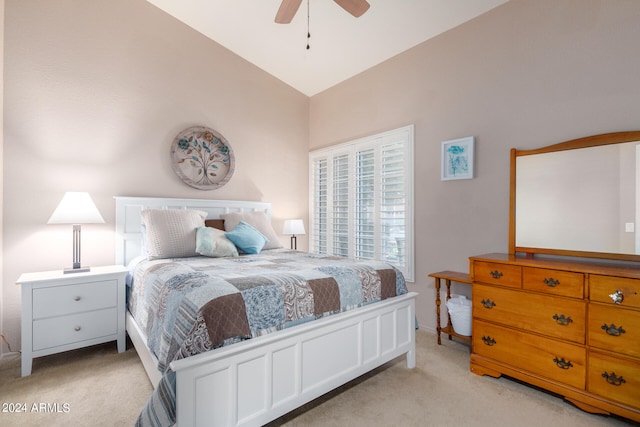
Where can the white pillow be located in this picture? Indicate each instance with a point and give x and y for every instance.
(257, 220)
(212, 242)
(171, 233)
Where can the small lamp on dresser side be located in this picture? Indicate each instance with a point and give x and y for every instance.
(293, 227)
(76, 208)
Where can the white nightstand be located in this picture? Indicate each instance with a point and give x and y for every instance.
(62, 312)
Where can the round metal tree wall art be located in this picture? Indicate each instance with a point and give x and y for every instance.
(202, 158)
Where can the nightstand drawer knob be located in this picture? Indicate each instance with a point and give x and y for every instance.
(77, 328)
(77, 298)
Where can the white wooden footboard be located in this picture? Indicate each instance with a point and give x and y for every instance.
(254, 382)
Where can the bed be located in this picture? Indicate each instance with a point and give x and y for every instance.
(242, 381)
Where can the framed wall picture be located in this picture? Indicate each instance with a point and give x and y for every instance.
(457, 159)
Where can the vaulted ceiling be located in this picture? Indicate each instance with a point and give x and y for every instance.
(341, 46)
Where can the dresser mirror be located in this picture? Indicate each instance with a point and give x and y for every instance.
(577, 198)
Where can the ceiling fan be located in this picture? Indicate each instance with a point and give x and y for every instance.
(288, 9)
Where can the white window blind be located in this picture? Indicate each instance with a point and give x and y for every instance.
(361, 199)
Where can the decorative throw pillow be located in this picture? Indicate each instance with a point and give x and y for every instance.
(212, 242)
(171, 233)
(246, 238)
(257, 220)
(214, 223)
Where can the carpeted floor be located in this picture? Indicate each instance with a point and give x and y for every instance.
(97, 386)
(94, 386)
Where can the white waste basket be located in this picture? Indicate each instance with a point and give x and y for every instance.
(460, 312)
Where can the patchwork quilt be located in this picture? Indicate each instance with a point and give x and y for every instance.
(190, 305)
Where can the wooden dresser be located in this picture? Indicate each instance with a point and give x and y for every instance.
(572, 328)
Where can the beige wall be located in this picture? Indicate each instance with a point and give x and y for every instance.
(2, 345)
(527, 74)
(95, 92)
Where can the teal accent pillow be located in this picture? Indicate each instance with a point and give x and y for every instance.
(213, 243)
(246, 238)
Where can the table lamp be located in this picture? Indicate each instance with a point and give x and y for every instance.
(293, 227)
(76, 208)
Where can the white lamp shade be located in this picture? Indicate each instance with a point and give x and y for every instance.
(76, 208)
(293, 226)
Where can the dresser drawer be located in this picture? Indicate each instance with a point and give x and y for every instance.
(602, 287)
(73, 328)
(498, 274)
(68, 299)
(565, 363)
(615, 329)
(614, 378)
(556, 282)
(545, 314)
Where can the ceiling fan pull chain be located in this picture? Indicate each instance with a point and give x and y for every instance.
(308, 31)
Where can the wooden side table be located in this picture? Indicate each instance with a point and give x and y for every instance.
(448, 277)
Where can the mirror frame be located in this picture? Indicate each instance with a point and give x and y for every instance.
(589, 141)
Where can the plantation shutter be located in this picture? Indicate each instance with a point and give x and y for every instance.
(319, 221)
(361, 199)
(340, 205)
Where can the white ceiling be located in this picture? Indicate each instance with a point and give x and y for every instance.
(341, 45)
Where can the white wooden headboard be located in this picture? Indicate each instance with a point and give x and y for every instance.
(128, 220)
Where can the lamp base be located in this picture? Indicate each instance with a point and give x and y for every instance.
(77, 270)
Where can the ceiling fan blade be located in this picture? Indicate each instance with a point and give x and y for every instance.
(287, 11)
(355, 7)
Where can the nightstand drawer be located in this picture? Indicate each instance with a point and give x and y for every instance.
(69, 299)
(63, 330)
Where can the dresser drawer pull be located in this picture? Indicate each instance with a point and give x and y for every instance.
(488, 341)
(77, 328)
(496, 274)
(562, 364)
(612, 330)
(487, 303)
(77, 298)
(613, 379)
(562, 320)
(617, 297)
(550, 282)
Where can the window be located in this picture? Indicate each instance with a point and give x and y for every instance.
(361, 199)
